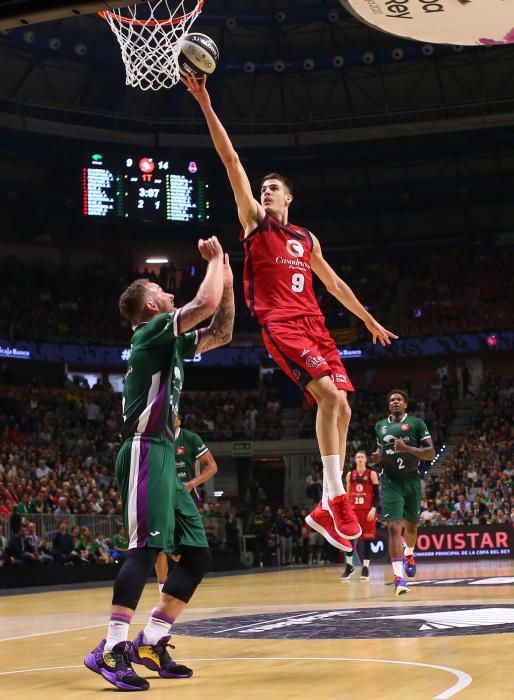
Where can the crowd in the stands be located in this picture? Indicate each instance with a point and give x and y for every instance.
(459, 293)
(57, 450)
(451, 292)
(476, 484)
(221, 416)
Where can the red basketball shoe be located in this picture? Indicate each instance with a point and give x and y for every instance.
(345, 520)
(321, 521)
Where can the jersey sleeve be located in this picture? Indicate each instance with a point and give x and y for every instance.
(199, 447)
(159, 330)
(423, 431)
(189, 342)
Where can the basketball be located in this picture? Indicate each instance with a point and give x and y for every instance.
(198, 54)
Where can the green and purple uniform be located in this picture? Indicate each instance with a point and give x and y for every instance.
(158, 511)
(188, 448)
(400, 480)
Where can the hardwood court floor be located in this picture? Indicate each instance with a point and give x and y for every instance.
(44, 637)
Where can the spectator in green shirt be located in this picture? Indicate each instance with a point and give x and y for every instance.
(120, 544)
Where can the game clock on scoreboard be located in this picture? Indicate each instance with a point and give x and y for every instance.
(145, 187)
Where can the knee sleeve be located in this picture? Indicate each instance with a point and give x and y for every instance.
(132, 576)
(185, 576)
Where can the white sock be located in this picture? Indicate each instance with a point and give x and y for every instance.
(365, 562)
(349, 559)
(324, 497)
(161, 586)
(117, 631)
(332, 469)
(158, 626)
(398, 568)
(408, 551)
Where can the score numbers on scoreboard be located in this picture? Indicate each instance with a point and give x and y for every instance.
(145, 188)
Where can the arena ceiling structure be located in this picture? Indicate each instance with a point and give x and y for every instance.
(396, 134)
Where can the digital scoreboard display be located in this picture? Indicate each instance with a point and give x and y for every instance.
(145, 187)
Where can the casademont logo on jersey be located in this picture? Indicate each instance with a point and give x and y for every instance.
(295, 248)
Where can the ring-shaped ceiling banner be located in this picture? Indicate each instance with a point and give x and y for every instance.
(458, 22)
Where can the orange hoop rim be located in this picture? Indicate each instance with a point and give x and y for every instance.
(104, 14)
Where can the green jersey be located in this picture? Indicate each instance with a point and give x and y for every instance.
(188, 448)
(412, 430)
(120, 541)
(155, 375)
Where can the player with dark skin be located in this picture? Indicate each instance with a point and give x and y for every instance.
(397, 405)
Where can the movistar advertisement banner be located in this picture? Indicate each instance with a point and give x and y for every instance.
(472, 542)
(445, 542)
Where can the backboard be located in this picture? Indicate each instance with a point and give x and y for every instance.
(19, 13)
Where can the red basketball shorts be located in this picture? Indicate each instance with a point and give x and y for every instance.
(369, 527)
(304, 350)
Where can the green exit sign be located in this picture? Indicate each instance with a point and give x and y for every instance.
(242, 449)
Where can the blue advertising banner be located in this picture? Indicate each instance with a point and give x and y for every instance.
(94, 355)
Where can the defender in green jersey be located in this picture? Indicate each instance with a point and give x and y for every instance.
(145, 466)
(403, 441)
(159, 512)
(190, 449)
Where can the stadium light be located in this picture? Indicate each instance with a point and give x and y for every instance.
(156, 261)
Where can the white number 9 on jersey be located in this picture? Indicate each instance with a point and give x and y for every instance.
(297, 282)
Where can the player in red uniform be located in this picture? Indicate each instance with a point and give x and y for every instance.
(279, 260)
(363, 492)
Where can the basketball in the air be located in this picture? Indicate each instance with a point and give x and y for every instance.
(198, 54)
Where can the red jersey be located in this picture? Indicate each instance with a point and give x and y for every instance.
(361, 490)
(277, 272)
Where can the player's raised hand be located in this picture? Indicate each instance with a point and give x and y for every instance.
(228, 277)
(210, 248)
(379, 332)
(197, 88)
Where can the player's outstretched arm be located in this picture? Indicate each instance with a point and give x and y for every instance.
(249, 209)
(342, 292)
(210, 290)
(219, 331)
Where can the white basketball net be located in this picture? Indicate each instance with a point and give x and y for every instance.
(149, 35)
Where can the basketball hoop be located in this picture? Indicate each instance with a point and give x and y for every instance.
(149, 36)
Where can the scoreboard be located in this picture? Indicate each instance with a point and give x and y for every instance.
(145, 187)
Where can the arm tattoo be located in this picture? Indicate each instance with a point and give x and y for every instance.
(219, 331)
